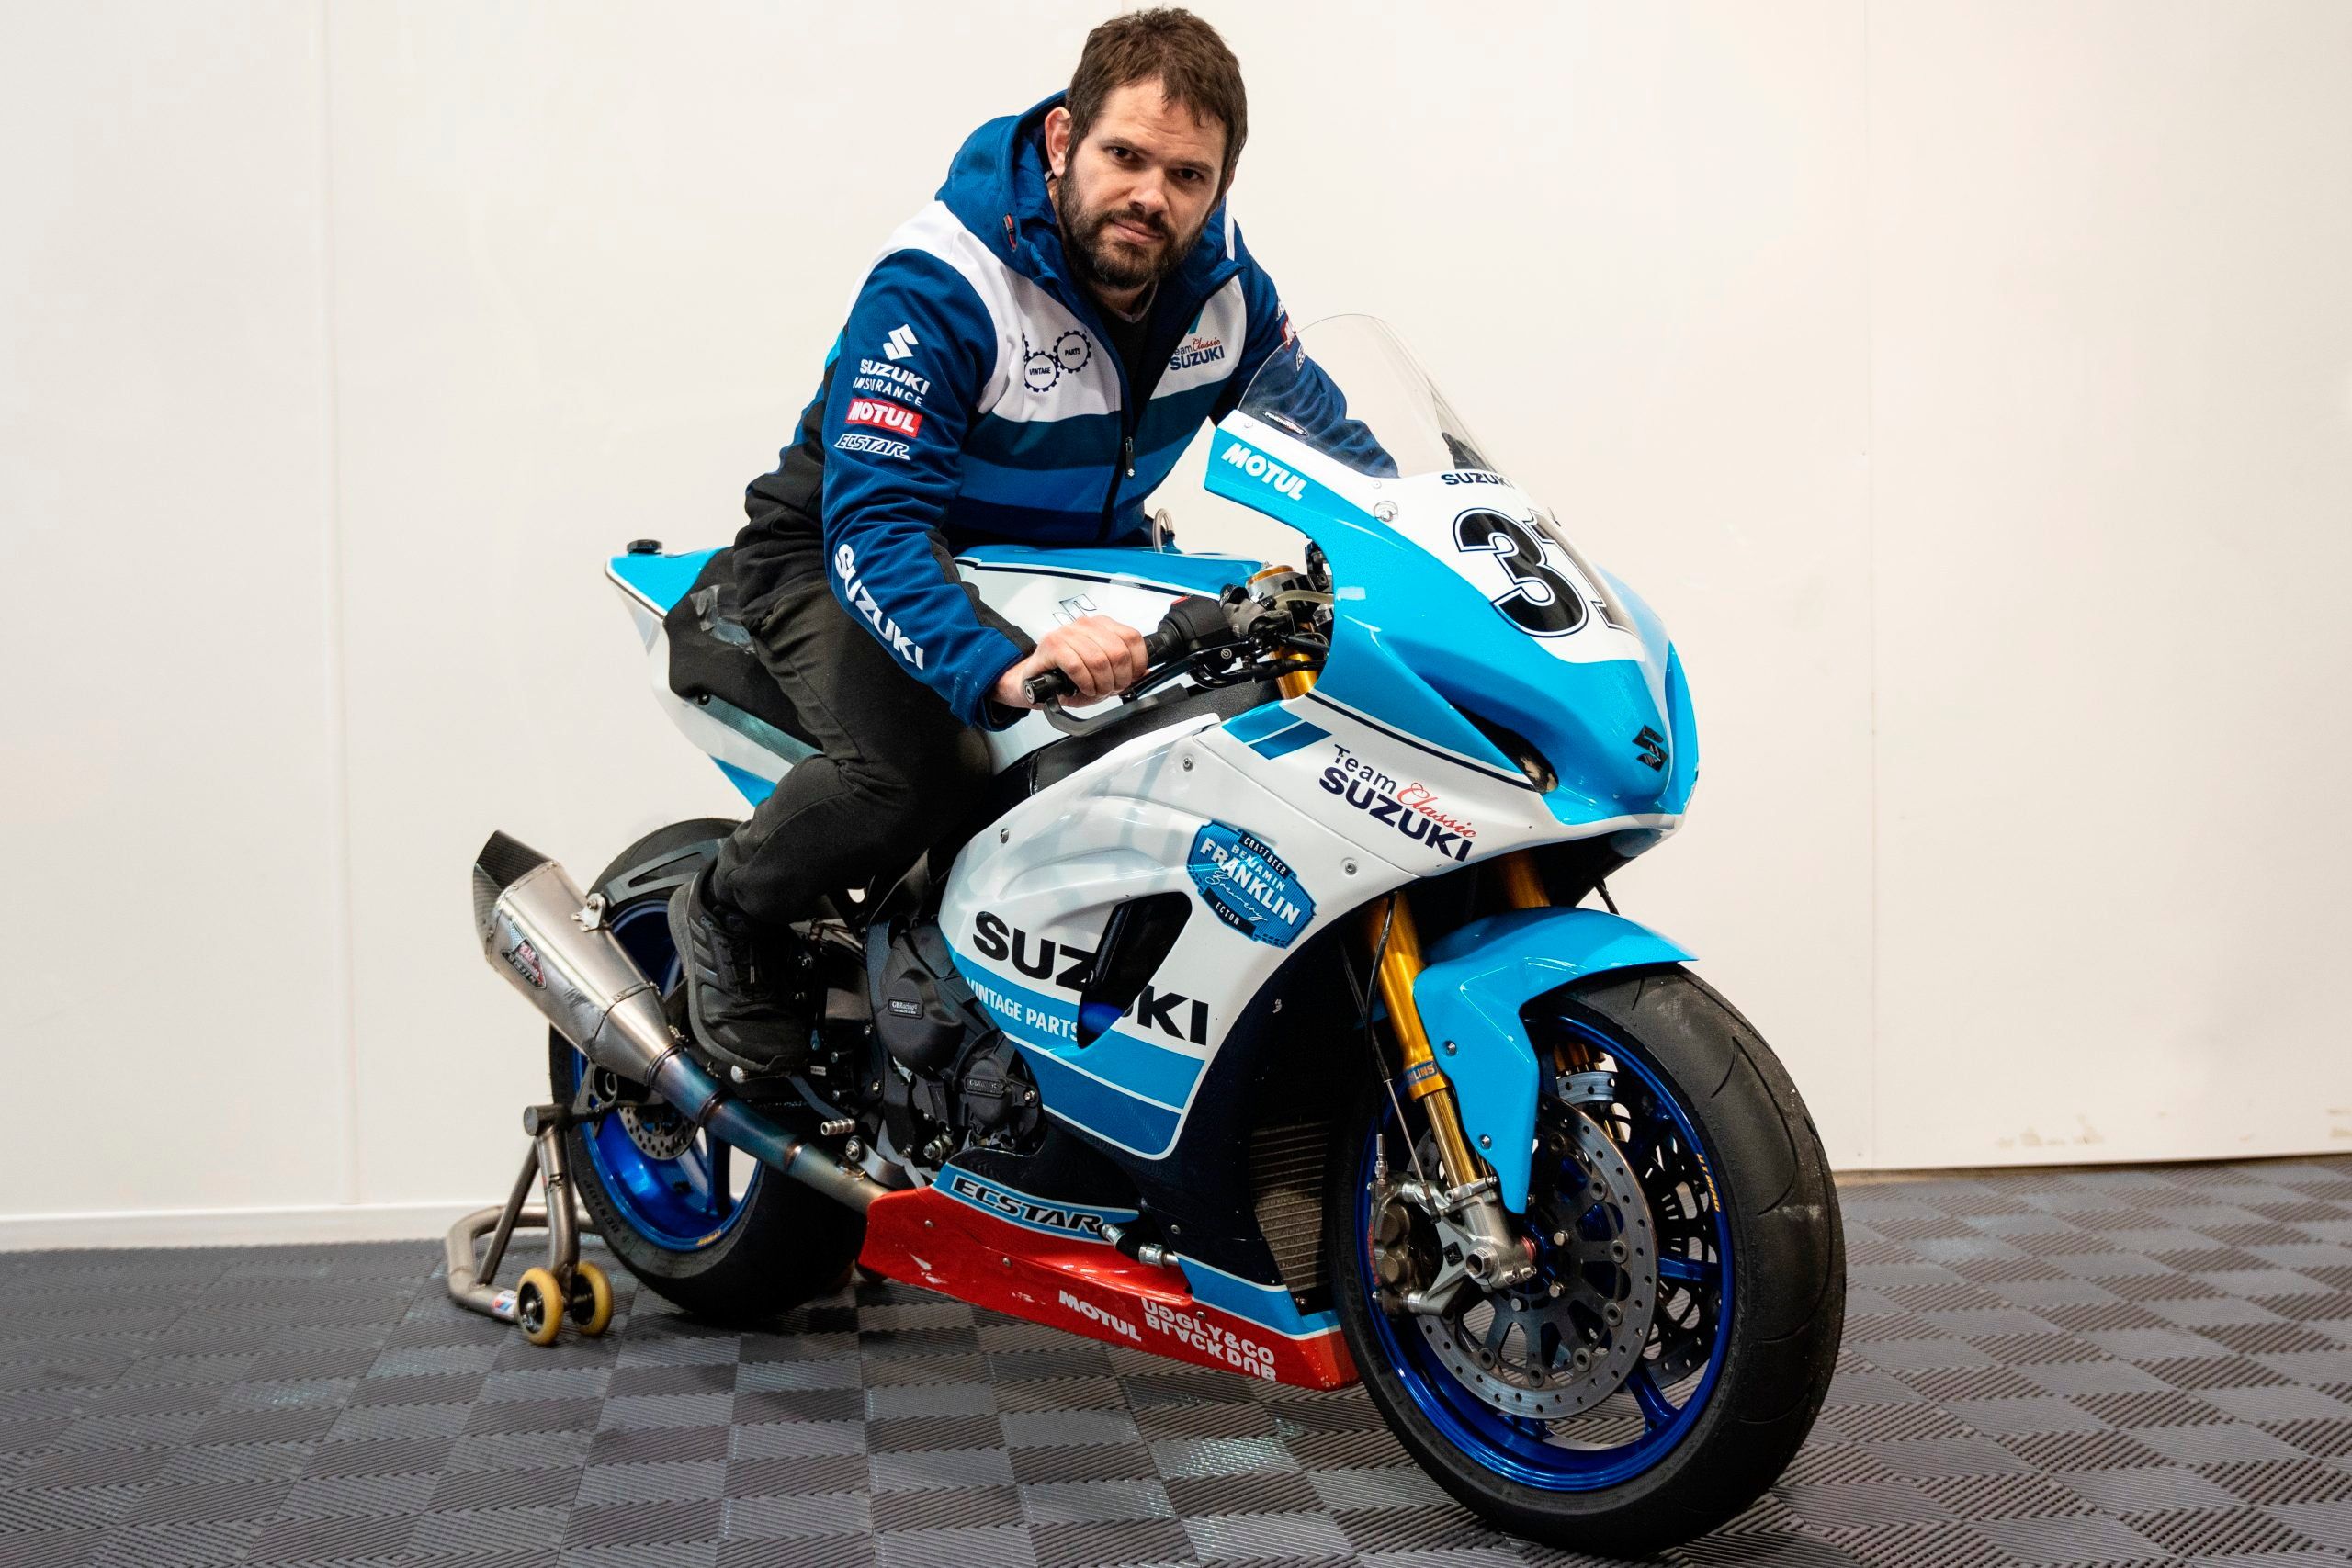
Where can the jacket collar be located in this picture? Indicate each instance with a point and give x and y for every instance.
(996, 188)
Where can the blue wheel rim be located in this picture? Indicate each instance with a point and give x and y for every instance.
(1552, 1456)
(684, 1204)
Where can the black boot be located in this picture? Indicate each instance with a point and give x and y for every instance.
(737, 1015)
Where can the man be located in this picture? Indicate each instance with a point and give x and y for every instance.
(1024, 361)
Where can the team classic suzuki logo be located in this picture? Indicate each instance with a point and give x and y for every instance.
(901, 343)
(886, 413)
(862, 603)
(1259, 467)
(1196, 350)
(1408, 808)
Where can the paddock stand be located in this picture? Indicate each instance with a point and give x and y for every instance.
(565, 1288)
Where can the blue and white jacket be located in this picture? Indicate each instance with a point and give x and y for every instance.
(974, 396)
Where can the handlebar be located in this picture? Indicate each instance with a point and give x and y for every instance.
(1158, 648)
(1192, 624)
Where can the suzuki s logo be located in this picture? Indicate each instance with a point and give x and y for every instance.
(1653, 748)
(901, 343)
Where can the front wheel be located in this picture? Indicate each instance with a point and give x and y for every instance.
(1672, 1349)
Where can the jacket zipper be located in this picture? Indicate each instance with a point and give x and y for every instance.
(1127, 463)
(1127, 413)
(1130, 417)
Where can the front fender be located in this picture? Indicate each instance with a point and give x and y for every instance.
(1470, 996)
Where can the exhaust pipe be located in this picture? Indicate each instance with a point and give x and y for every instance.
(538, 931)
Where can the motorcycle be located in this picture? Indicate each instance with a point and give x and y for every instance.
(1254, 1018)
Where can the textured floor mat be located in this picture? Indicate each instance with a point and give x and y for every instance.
(2094, 1367)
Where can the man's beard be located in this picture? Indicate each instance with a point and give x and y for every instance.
(1105, 261)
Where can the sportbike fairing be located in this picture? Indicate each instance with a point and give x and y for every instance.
(1463, 608)
(1485, 691)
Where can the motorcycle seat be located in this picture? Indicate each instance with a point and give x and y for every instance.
(711, 660)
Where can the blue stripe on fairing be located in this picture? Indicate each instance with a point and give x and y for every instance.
(1258, 723)
(1271, 1306)
(1140, 1066)
(755, 788)
(1097, 1108)
(1281, 743)
(659, 580)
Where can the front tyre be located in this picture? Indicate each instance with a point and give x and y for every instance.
(1671, 1353)
(716, 1233)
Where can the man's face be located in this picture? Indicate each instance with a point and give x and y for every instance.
(1133, 197)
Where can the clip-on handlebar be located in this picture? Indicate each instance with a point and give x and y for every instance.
(1194, 623)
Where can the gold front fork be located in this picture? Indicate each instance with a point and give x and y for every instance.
(1401, 965)
(1389, 931)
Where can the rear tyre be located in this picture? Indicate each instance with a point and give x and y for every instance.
(1744, 1307)
(707, 1228)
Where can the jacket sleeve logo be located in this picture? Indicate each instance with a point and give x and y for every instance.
(884, 413)
(861, 602)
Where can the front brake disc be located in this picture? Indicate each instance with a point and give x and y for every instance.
(1536, 1353)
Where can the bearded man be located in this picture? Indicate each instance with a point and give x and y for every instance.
(1024, 361)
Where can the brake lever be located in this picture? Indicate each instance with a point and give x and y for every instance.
(1060, 718)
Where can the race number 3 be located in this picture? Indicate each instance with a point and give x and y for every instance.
(1541, 601)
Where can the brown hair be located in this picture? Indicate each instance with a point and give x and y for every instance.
(1180, 51)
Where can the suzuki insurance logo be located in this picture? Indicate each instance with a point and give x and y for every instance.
(901, 343)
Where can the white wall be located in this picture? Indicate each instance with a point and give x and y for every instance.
(1970, 387)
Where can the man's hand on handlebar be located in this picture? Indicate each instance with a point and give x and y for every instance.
(1100, 657)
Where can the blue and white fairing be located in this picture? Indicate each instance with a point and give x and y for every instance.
(1485, 692)
(1459, 600)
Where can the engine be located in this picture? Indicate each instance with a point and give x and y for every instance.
(948, 1077)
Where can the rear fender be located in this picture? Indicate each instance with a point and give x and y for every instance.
(1470, 997)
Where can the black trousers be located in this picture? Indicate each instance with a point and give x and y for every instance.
(896, 772)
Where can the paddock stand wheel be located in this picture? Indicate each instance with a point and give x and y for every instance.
(564, 1289)
(535, 1310)
(590, 1310)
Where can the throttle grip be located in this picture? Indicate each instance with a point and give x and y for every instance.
(1049, 687)
(1173, 638)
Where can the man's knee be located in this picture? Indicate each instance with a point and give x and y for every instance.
(930, 777)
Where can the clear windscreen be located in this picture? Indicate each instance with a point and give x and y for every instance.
(1346, 388)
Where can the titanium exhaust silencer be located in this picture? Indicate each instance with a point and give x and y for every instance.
(539, 929)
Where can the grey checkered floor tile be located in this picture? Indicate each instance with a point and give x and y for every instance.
(2112, 1367)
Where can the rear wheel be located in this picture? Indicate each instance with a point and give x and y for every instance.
(702, 1225)
(1675, 1345)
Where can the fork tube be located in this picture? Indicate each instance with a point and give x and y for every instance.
(1400, 962)
(1522, 885)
